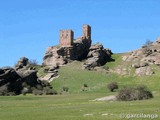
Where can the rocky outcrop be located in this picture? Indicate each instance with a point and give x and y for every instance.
(142, 68)
(138, 65)
(21, 79)
(8, 75)
(97, 56)
(52, 58)
(144, 71)
(52, 72)
(56, 55)
(21, 63)
(150, 54)
(141, 59)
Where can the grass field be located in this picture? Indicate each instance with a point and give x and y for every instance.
(77, 104)
(71, 107)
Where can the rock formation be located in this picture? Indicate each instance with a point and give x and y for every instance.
(21, 79)
(141, 59)
(79, 49)
(97, 56)
(56, 55)
(52, 58)
(52, 72)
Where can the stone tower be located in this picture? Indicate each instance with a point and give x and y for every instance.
(66, 38)
(87, 32)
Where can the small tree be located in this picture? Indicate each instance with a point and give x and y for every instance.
(33, 62)
(146, 48)
(112, 86)
(148, 42)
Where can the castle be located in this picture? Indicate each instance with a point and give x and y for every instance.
(67, 36)
(69, 48)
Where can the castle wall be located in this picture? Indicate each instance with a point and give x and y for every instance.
(87, 32)
(66, 38)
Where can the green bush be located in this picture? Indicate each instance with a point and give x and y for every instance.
(37, 92)
(4, 90)
(49, 91)
(65, 89)
(85, 85)
(112, 86)
(134, 93)
(25, 91)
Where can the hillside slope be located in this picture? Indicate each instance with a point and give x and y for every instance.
(74, 77)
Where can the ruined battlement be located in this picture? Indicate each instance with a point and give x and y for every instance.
(87, 32)
(67, 36)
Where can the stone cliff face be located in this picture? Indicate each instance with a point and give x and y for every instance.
(52, 58)
(61, 55)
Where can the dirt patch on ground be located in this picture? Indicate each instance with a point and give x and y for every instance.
(107, 98)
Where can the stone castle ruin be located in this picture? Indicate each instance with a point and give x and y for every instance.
(70, 49)
(67, 36)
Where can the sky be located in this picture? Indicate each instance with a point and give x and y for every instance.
(28, 27)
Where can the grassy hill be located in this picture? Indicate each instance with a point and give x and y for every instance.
(77, 103)
(74, 77)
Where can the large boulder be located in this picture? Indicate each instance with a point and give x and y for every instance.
(28, 76)
(8, 75)
(11, 81)
(97, 56)
(23, 61)
(52, 57)
(143, 71)
(51, 73)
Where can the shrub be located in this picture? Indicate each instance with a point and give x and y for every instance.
(24, 91)
(49, 91)
(4, 90)
(148, 42)
(134, 93)
(85, 85)
(33, 62)
(65, 89)
(37, 92)
(112, 86)
(106, 67)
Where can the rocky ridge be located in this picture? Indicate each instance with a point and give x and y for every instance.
(141, 60)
